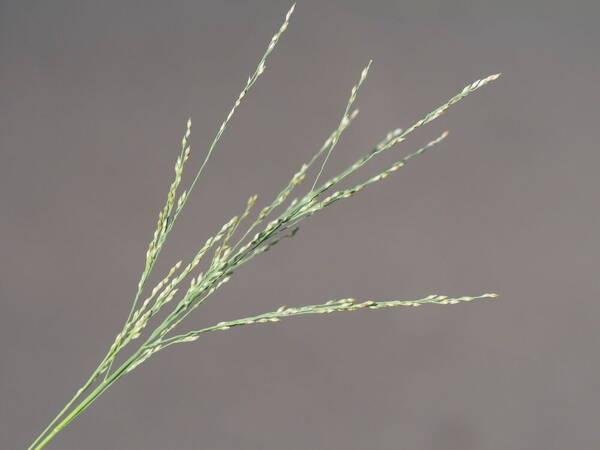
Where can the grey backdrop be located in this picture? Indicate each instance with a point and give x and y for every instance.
(93, 104)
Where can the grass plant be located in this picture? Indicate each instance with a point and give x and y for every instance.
(186, 286)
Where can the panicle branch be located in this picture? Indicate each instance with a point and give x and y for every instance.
(347, 304)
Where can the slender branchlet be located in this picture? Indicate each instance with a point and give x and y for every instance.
(347, 304)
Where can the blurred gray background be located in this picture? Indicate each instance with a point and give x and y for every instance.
(93, 104)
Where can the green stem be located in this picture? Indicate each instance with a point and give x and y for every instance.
(65, 409)
(44, 438)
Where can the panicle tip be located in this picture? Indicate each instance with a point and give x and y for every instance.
(492, 77)
(291, 11)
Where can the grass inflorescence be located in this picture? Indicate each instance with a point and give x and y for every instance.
(240, 239)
